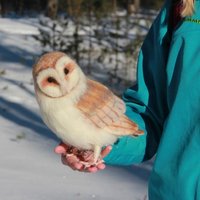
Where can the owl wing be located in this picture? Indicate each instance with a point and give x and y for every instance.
(105, 110)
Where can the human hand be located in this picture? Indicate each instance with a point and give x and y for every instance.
(80, 160)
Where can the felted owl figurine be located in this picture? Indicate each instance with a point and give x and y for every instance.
(81, 112)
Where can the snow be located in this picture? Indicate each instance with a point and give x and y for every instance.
(15, 27)
(29, 169)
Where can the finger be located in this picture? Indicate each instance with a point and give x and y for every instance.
(73, 162)
(68, 159)
(61, 148)
(70, 162)
(101, 166)
(78, 166)
(64, 159)
(106, 151)
(71, 159)
(87, 156)
(92, 169)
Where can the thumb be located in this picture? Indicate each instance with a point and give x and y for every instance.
(61, 148)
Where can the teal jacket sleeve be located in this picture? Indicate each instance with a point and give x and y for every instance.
(146, 101)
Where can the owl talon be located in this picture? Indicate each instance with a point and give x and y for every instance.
(91, 164)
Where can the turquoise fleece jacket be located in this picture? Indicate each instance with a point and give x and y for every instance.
(165, 103)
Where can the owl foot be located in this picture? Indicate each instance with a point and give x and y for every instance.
(92, 164)
(87, 158)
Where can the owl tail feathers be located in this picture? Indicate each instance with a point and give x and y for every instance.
(124, 126)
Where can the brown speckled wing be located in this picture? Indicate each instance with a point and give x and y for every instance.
(105, 110)
(124, 126)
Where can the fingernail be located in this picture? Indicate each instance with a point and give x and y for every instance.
(92, 170)
(59, 150)
(101, 166)
(78, 166)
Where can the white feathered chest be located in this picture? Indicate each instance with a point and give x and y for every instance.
(70, 125)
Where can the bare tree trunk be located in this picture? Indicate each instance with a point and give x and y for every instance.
(133, 6)
(21, 7)
(137, 5)
(52, 8)
(114, 5)
(77, 7)
(69, 7)
(145, 3)
(2, 7)
(74, 7)
(90, 6)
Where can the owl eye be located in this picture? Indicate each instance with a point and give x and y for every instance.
(52, 80)
(66, 71)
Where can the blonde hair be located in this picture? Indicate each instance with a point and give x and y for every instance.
(188, 8)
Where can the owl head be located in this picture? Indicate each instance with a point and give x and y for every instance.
(55, 74)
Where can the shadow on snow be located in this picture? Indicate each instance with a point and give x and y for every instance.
(16, 55)
(22, 116)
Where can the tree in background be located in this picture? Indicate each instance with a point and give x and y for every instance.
(133, 6)
(2, 8)
(21, 7)
(74, 7)
(52, 8)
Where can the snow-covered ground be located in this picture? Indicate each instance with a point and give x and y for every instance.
(29, 169)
